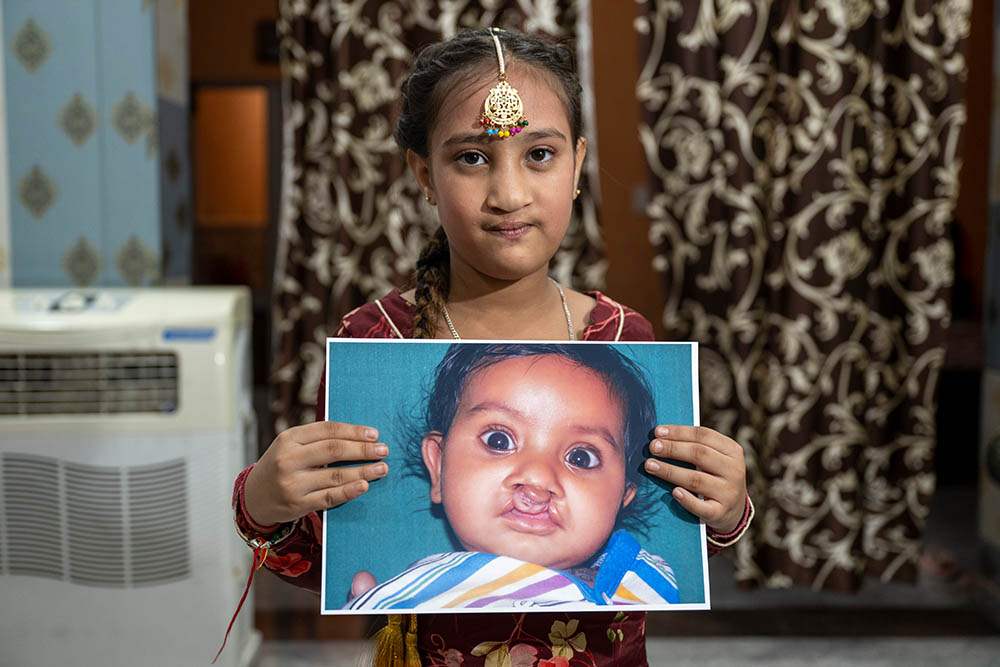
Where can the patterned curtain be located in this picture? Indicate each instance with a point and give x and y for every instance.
(805, 164)
(352, 222)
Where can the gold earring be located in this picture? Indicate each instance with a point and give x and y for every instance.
(427, 197)
(576, 193)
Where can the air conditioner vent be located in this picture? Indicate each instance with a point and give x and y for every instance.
(96, 525)
(52, 383)
(33, 518)
(158, 520)
(101, 526)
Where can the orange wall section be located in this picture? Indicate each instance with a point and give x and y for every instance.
(231, 156)
(223, 40)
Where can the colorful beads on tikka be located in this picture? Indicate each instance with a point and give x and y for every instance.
(504, 131)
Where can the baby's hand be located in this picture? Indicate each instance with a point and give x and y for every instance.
(720, 477)
(362, 582)
(291, 478)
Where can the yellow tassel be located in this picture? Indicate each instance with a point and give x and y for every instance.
(412, 653)
(390, 650)
(389, 644)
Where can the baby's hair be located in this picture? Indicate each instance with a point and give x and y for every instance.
(436, 71)
(626, 382)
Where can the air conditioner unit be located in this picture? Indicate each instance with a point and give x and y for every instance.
(125, 416)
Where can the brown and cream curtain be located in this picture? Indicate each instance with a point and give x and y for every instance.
(805, 161)
(351, 222)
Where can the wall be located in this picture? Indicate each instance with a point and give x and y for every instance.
(623, 177)
(83, 144)
(223, 40)
(224, 54)
(4, 190)
(971, 214)
(173, 113)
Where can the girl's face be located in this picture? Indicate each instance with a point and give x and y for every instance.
(505, 204)
(533, 466)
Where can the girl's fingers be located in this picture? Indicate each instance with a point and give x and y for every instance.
(695, 481)
(707, 459)
(719, 477)
(317, 501)
(700, 434)
(322, 452)
(706, 509)
(324, 478)
(315, 431)
(721, 503)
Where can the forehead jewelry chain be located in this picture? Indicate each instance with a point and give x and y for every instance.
(562, 297)
(503, 112)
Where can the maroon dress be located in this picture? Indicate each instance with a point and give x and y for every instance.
(536, 639)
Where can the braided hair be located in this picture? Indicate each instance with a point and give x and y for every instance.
(432, 284)
(436, 70)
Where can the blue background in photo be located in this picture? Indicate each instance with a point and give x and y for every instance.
(383, 383)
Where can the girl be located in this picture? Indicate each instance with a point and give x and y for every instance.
(491, 126)
(535, 453)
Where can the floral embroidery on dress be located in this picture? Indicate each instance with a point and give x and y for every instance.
(523, 655)
(452, 657)
(558, 661)
(290, 565)
(566, 648)
(564, 642)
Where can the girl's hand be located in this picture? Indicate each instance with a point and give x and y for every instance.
(291, 478)
(720, 477)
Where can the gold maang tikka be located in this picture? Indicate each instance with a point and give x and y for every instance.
(503, 112)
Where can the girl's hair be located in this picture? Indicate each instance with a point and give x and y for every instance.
(436, 71)
(626, 382)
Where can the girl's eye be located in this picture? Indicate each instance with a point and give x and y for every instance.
(581, 457)
(497, 441)
(540, 154)
(471, 158)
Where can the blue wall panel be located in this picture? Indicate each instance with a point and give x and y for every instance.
(130, 160)
(35, 99)
(81, 103)
(175, 191)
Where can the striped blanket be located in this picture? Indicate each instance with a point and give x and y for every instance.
(625, 574)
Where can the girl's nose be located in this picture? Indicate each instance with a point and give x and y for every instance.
(509, 190)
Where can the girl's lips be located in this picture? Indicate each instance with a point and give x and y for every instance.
(510, 230)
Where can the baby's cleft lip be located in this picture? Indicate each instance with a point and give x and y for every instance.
(541, 523)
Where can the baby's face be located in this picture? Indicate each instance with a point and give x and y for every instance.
(533, 466)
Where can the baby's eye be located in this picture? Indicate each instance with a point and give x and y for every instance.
(497, 441)
(471, 158)
(540, 155)
(580, 457)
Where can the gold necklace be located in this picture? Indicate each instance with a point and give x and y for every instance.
(562, 297)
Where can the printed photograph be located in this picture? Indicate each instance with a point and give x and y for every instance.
(516, 478)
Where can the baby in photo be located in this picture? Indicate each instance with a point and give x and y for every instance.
(535, 454)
